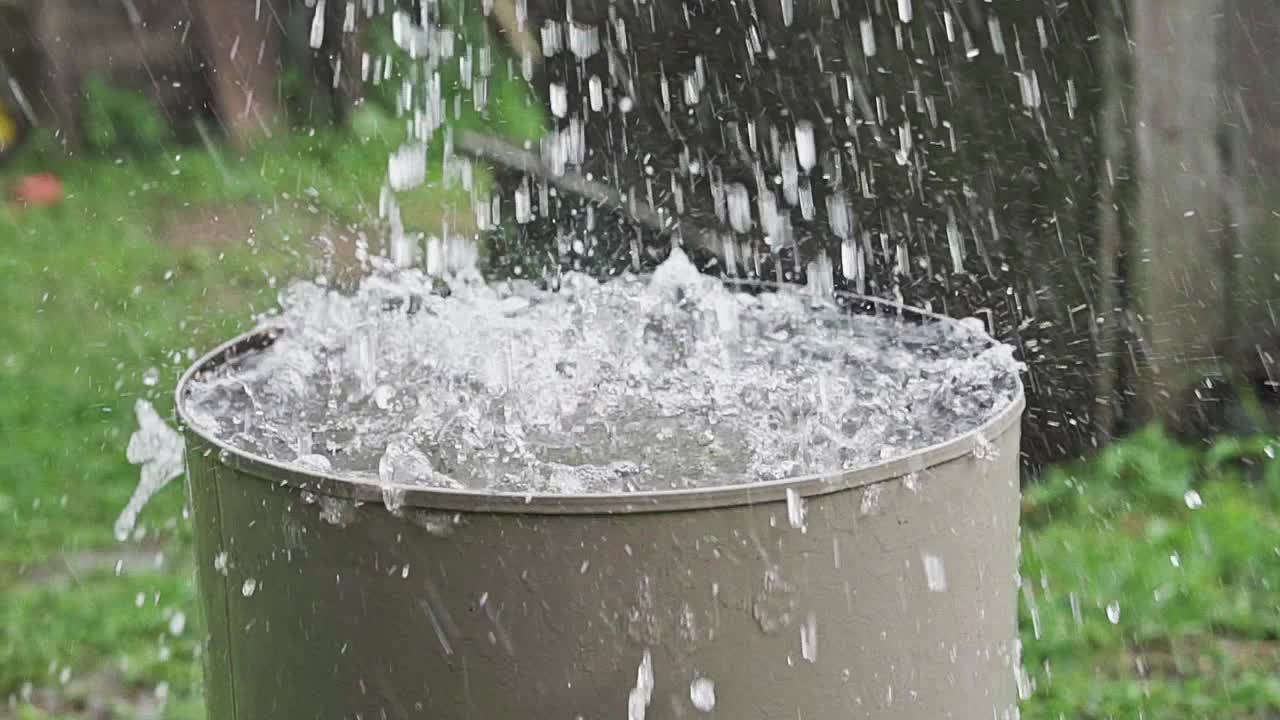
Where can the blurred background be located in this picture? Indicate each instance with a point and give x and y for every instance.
(167, 165)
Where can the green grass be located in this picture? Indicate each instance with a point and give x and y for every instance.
(1195, 592)
(130, 274)
(109, 284)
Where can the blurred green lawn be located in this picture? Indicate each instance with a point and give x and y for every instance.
(151, 261)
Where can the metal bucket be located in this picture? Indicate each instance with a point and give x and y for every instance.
(886, 592)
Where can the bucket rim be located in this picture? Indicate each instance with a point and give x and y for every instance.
(648, 501)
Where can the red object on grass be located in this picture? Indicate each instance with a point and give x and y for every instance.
(41, 190)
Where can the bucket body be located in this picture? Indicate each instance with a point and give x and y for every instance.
(886, 592)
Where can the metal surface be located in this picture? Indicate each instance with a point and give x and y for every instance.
(894, 599)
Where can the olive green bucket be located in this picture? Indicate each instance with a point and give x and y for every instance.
(885, 592)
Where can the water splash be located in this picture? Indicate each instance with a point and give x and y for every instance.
(677, 380)
(158, 450)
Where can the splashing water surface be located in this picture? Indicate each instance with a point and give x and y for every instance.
(675, 380)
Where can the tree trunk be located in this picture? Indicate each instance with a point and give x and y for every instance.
(1114, 173)
(1251, 109)
(1177, 267)
(241, 41)
(59, 86)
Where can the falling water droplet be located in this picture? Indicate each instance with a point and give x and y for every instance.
(806, 149)
(559, 97)
(317, 26)
(868, 37)
(905, 12)
(1113, 612)
(1192, 499)
(177, 623)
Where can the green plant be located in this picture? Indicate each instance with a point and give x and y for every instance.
(118, 121)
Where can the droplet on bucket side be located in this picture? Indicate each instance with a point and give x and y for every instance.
(249, 587)
(393, 497)
(795, 509)
(984, 450)
(809, 638)
(870, 501)
(337, 511)
(935, 573)
(702, 693)
(640, 695)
